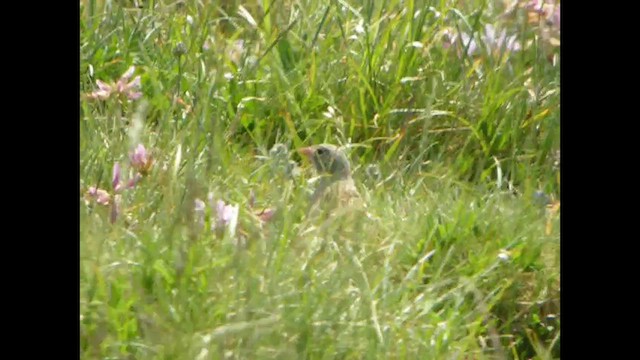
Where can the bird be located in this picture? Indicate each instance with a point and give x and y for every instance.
(335, 191)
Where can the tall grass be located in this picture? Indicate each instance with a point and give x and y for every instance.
(455, 152)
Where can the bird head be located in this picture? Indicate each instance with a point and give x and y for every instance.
(328, 160)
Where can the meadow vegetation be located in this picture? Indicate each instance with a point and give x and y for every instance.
(193, 231)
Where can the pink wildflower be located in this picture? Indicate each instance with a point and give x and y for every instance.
(130, 89)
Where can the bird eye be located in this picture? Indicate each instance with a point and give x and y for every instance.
(320, 151)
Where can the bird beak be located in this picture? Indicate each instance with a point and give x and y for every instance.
(307, 151)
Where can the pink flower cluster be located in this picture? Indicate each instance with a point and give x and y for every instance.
(141, 163)
(226, 215)
(122, 87)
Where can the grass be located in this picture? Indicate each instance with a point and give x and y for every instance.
(452, 151)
